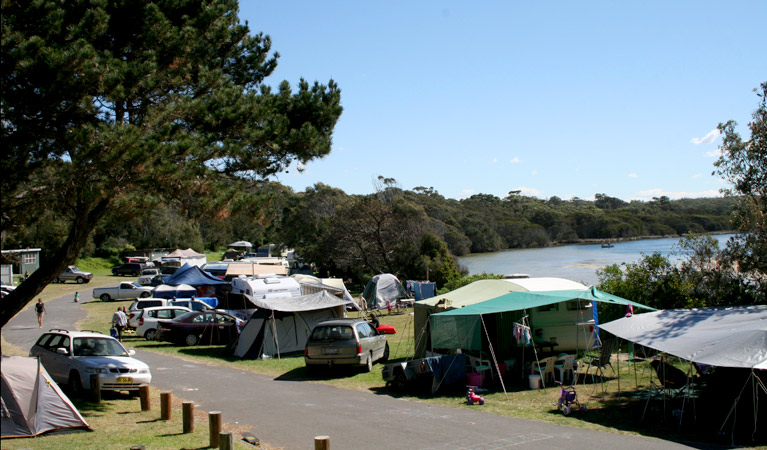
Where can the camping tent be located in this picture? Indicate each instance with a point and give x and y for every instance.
(723, 337)
(461, 328)
(282, 325)
(381, 289)
(32, 401)
(480, 291)
(193, 276)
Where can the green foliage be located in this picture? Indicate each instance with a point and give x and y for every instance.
(703, 278)
(744, 164)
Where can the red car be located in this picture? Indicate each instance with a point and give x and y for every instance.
(200, 327)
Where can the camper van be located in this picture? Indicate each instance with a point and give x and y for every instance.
(266, 286)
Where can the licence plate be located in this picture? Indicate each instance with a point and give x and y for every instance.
(331, 351)
(125, 379)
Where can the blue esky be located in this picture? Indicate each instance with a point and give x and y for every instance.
(555, 98)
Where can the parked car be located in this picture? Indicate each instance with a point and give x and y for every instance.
(123, 291)
(193, 304)
(200, 327)
(71, 357)
(72, 273)
(168, 270)
(146, 319)
(345, 342)
(132, 269)
(147, 275)
(141, 303)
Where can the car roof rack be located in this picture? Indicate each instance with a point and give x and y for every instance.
(59, 329)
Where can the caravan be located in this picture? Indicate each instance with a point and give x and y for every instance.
(265, 286)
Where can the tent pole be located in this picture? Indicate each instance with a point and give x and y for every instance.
(492, 353)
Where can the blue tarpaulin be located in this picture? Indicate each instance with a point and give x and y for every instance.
(193, 276)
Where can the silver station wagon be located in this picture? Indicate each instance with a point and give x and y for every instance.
(345, 342)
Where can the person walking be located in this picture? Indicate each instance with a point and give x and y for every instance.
(40, 309)
(119, 321)
(77, 297)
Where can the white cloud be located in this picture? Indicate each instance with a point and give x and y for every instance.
(528, 191)
(697, 175)
(707, 139)
(648, 194)
(534, 173)
(495, 160)
(515, 160)
(714, 154)
(466, 193)
(633, 175)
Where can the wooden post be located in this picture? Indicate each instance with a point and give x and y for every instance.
(214, 421)
(95, 388)
(321, 442)
(165, 406)
(188, 416)
(226, 441)
(143, 392)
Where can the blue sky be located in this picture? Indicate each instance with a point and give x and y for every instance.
(557, 98)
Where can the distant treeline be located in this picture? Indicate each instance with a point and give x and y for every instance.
(338, 231)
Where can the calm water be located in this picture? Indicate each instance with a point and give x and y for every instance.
(574, 262)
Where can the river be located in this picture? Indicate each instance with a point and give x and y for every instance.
(577, 262)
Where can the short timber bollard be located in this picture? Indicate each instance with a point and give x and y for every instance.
(188, 417)
(214, 421)
(138, 447)
(321, 442)
(143, 392)
(226, 441)
(165, 406)
(96, 387)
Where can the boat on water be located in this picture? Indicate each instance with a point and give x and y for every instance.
(607, 245)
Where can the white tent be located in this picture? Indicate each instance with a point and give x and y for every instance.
(282, 325)
(724, 337)
(32, 401)
(187, 256)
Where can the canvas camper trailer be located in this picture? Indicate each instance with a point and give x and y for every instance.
(569, 324)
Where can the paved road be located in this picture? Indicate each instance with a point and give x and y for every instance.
(291, 413)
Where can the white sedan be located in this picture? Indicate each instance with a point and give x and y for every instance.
(147, 319)
(71, 357)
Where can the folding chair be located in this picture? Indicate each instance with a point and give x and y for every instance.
(605, 353)
(671, 379)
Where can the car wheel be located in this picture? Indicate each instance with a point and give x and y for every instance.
(57, 280)
(150, 335)
(400, 381)
(369, 363)
(191, 339)
(385, 356)
(135, 274)
(105, 297)
(145, 294)
(80, 280)
(75, 384)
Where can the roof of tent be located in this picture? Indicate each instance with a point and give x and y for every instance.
(188, 253)
(483, 290)
(460, 327)
(310, 302)
(241, 244)
(237, 269)
(725, 337)
(193, 276)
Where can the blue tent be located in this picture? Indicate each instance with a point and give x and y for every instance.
(193, 276)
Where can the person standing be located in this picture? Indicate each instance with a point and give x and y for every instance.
(119, 321)
(77, 297)
(40, 309)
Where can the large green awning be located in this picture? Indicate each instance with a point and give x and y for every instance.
(461, 327)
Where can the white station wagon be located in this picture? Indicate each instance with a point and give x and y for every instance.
(71, 357)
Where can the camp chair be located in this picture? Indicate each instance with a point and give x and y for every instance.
(566, 364)
(672, 379)
(605, 353)
(545, 367)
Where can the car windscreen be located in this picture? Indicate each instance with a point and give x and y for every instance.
(95, 346)
(333, 333)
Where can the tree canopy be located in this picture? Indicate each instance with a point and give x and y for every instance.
(112, 108)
